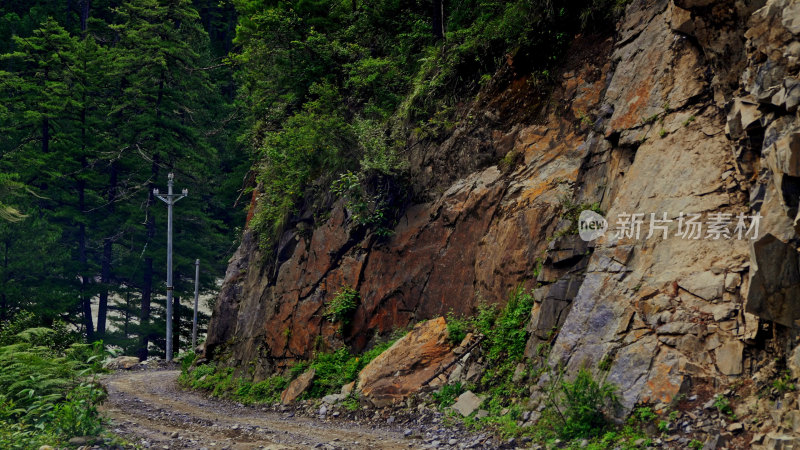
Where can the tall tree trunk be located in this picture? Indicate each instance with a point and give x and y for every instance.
(105, 270)
(85, 5)
(68, 18)
(438, 19)
(4, 315)
(127, 313)
(45, 135)
(176, 324)
(85, 299)
(83, 259)
(87, 319)
(144, 317)
(147, 282)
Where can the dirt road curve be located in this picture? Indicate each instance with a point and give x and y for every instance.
(148, 408)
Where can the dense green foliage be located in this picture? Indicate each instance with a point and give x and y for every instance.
(101, 100)
(576, 409)
(503, 344)
(342, 306)
(221, 382)
(333, 89)
(584, 400)
(47, 388)
(331, 371)
(447, 394)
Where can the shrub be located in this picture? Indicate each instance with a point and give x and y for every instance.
(269, 390)
(583, 401)
(723, 405)
(507, 337)
(187, 360)
(48, 395)
(332, 371)
(342, 306)
(457, 328)
(447, 394)
(25, 326)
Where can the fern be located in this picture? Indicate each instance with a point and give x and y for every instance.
(47, 391)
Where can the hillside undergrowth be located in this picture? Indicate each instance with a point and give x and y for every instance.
(335, 89)
(48, 387)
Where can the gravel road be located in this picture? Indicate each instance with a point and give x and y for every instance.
(148, 408)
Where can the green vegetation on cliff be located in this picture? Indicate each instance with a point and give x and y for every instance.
(333, 89)
(103, 99)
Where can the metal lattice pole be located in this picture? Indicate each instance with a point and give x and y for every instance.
(196, 297)
(170, 199)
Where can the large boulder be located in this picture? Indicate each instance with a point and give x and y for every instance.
(407, 365)
(121, 362)
(297, 387)
(774, 281)
(729, 358)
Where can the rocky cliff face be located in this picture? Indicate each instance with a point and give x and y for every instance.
(690, 108)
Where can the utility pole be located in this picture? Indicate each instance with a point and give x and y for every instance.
(196, 297)
(170, 199)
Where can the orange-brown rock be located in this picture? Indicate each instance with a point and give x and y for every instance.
(297, 387)
(476, 231)
(407, 365)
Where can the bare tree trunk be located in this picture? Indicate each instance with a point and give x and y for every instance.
(147, 283)
(85, 5)
(108, 242)
(4, 315)
(144, 317)
(176, 324)
(46, 135)
(438, 19)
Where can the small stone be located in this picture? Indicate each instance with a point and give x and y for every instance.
(452, 442)
(729, 358)
(80, 440)
(467, 403)
(735, 427)
(407, 432)
(332, 399)
(174, 435)
(348, 388)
